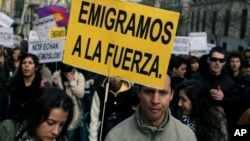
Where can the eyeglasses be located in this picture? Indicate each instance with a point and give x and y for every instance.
(214, 59)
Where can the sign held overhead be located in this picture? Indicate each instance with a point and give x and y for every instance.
(122, 39)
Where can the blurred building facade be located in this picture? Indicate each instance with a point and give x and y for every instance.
(224, 21)
(22, 11)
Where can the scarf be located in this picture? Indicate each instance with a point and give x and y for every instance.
(189, 122)
(23, 135)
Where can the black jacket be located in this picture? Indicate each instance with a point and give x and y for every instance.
(118, 105)
(231, 100)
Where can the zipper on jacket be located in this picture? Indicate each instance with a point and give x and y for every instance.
(153, 136)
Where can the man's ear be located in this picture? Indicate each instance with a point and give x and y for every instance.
(138, 91)
(172, 94)
(208, 59)
(174, 69)
(224, 63)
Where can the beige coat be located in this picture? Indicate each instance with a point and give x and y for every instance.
(133, 129)
(74, 89)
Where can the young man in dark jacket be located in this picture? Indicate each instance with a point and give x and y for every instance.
(219, 84)
(118, 107)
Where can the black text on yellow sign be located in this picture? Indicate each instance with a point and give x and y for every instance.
(124, 58)
(57, 33)
(130, 24)
(121, 39)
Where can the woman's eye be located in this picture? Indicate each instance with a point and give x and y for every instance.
(50, 122)
(183, 99)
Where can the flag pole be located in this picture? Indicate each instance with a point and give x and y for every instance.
(104, 107)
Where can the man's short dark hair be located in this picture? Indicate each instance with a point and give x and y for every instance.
(176, 62)
(217, 49)
(171, 84)
(235, 55)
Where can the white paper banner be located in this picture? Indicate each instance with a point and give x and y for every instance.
(5, 20)
(33, 36)
(43, 25)
(181, 45)
(198, 41)
(47, 51)
(7, 37)
(16, 40)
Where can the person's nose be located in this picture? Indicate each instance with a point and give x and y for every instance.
(156, 98)
(179, 103)
(56, 130)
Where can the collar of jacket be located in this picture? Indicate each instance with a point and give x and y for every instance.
(124, 87)
(148, 129)
(209, 75)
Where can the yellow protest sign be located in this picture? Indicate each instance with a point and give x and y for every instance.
(123, 39)
(57, 33)
(0, 4)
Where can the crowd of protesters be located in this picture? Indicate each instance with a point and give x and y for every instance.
(210, 94)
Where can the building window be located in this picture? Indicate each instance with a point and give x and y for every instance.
(197, 21)
(214, 21)
(227, 22)
(224, 45)
(241, 48)
(192, 21)
(243, 23)
(18, 8)
(204, 21)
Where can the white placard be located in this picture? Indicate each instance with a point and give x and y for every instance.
(181, 45)
(6, 37)
(198, 53)
(43, 25)
(33, 36)
(47, 51)
(16, 39)
(5, 20)
(198, 41)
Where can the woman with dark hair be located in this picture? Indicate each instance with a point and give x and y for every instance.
(45, 118)
(14, 61)
(26, 83)
(72, 82)
(192, 66)
(197, 111)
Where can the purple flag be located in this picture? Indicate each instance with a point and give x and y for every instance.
(61, 15)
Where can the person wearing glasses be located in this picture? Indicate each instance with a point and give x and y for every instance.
(219, 84)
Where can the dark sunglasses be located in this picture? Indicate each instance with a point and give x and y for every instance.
(217, 59)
